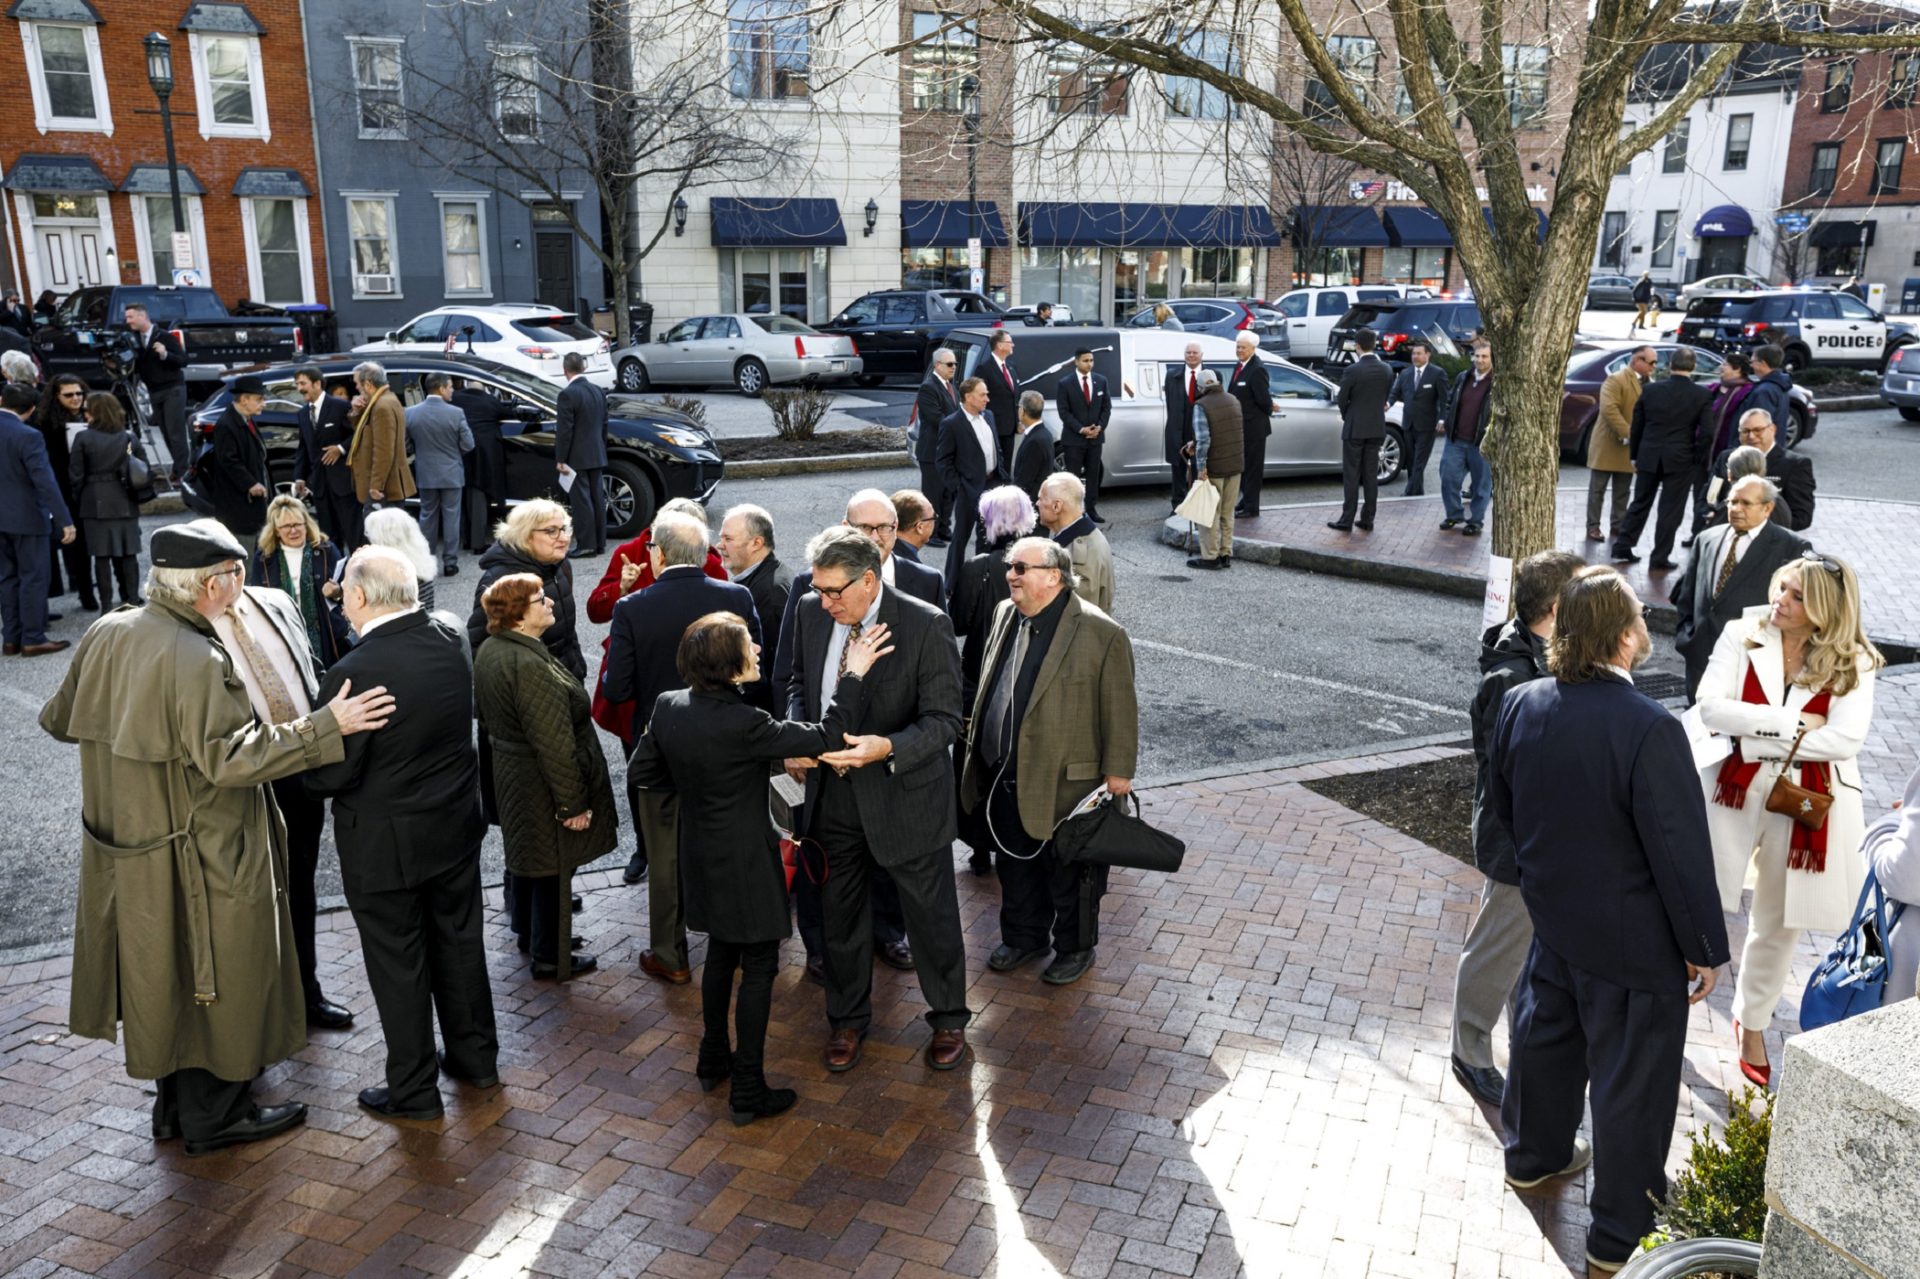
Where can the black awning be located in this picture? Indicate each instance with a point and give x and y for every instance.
(946, 224)
(776, 223)
(1840, 235)
(151, 179)
(56, 173)
(1416, 227)
(271, 184)
(221, 19)
(1065, 225)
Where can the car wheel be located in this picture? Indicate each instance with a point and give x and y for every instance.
(1393, 453)
(868, 379)
(1910, 414)
(1796, 426)
(1798, 358)
(750, 377)
(633, 376)
(630, 500)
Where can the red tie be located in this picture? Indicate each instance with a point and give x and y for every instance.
(1086, 390)
(1008, 374)
(1191, 381)
(1237, 369)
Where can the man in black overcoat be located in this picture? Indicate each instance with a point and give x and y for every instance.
(1664, 444)
(486, 499)
(1182, 392)
(932, 403)
(320, 470)
(1250, 385)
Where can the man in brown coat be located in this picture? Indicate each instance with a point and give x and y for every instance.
(1219, 457)
(1609, 459)
(1055, 717)
(378, 454)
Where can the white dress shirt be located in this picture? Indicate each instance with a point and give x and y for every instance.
(836, 644)
(989, 446)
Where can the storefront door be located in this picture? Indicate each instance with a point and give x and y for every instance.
(1723, 255)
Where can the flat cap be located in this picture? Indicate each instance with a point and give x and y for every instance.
(195, 544)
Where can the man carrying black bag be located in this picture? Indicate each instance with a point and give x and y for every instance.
(1054, 717)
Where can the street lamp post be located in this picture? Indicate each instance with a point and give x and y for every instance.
(970, 93)
(160, 76)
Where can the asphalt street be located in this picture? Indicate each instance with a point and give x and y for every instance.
(1233, 669)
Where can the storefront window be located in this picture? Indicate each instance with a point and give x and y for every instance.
(1216, 273)
(773, 280)
(1414, 266)
(934, 269)
(1071, 276)
(1327, 267)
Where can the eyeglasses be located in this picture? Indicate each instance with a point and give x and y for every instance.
(1646, 611)
(1019, 569)
(540, 599)
(73, 395)
(556, 530)
(235, 571)
(835, 592)
(874, 530)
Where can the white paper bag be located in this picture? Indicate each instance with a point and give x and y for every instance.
(1201, 504)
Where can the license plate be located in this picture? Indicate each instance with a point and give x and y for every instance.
(838, 366)
(1348, 346)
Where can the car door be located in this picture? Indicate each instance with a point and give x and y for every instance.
(719, 347)
(859, 322)
(1306, 425)
(1820, 328)
(675, 358)
(1293, 317)
(1328, 306)
(900, 335)
(279, 425)
(1862, 328)
(526, 431)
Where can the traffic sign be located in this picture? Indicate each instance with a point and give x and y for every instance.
(974, 259)
(182, 249)
(1792, 221)
(977, 280)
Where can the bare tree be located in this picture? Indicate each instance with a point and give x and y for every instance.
(1320, 185)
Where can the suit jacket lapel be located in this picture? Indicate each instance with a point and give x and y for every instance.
(1769, 663)
(1057, 650)
(1758, 545)
(1713, 544)
(997, 636)
(814, 635)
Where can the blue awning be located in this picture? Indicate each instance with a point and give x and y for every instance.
(281, 184)
(776, 224)
(1416, 227)
(1487, 213)
(1725, 219)
(151, 179)
(1339, 226)
(946, 224)
(1047, 225)
(56, 173)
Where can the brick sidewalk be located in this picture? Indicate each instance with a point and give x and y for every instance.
(1880, 539)
(1252, 1080)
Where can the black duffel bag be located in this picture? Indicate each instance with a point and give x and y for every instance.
(1109, 835)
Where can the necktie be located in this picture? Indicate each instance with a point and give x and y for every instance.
(1007, 373)
(1192, 382)
(1238, 369)
(1086, 390)
(272, 687)
(853, 633)
(1726, 569)
(999, 725)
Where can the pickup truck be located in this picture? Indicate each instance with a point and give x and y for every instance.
(213, 339)
(895, 331)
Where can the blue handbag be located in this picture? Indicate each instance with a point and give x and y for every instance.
(1853, 977)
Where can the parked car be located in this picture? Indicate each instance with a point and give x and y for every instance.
(1062, 314)
(895, 330)
(1446, 324)
(1594, 362)
(1222, 318)
(213, 338)
(1310, 314)
(1615, 293)
(653, 452)
(1900, 384)
(1136, 362)
(520, 335)
(751, 350)
(1812, 326)
(1738, 282)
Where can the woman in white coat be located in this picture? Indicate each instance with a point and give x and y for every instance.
(1800, 665)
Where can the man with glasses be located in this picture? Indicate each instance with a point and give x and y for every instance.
(932, 403)
(1055, 717)
(1728, 571)
(1789, 471)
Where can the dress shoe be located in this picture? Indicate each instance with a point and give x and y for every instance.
(10, 650)
(1340, 526)
(472, 1081)
(1582, 1156)
(1621, 555)
(1223, 562)
(1068, 968)
(575, 904)
(773, 1101)
(1484, 1082)
(575, 942)
(816, 970)
(1471, 528)
(551, 972)
(449, 570)
(1761, 1074)
(166, 1130)
(48, 646)
(896, 954)
(89, 604)
(947, 1049)
(580, 555)
(1661, 566)
(937, 543)
(53, 616)
(1685, 542)
(381, 1103)
(1005, 958)
(1097, 518)
(1595, 535)
(653, 966)
(324, 1014)
(1365, 526)
(1449, 524)
(843, 1049)
(980, 863)
(1201, 561)
(260, 1123)
(636, 869)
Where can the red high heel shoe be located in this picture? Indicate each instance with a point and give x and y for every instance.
(1761, 1074)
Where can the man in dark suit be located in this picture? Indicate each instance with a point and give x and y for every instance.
(1086, 406)
(31, 508)
(746, 545)
(933, 403)
(1250, 385)
(1728, 572)
(887, 798)
(486, 503)
(1362, 401)
(235, 472)
(971, 461)
(162, 366)
(1663, 444)
(1422, 388)
(1003, 387)
(643, 644)
(580, 450)
(406, 815)
(320, 467)
(1182, 393)
(1032, 445)
(913, 515)
(1596, 783)
(1791, 473)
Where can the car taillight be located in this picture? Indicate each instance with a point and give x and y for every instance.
(1246, 318)
(536, 352)
(299, 342)
(800, 347)
(1390, 342)
(1894, 362)
(855, 345)
(180, 336)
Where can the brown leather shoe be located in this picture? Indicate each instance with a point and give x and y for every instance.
(10, 650)
(947, 1049)
(41, 650)
(653, 967)
(843, 1049)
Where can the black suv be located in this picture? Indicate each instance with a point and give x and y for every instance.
(1813, 326)
(896, 330)
(1446, 324)
(653, 453)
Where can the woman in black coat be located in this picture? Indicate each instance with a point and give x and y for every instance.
(295, 556)
(61, 417)
(235, 472)
(534, 538)
(109, 517)
(712, 747)
(1006, 516)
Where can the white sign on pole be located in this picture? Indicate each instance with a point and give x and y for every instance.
(974, 258)
(977, 280)
(1499, 605)
(182, 250)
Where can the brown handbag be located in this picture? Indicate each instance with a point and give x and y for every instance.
(1788, 798)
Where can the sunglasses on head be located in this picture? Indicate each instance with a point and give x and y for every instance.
(1821, 561)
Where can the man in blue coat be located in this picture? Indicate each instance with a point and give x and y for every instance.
(30, 507)
(580, 455)
(1595, 781)
(438, 432)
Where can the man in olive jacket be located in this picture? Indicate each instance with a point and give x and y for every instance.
(1054, 717)
(378, 455)
(181, 843)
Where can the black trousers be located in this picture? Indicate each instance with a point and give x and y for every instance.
(1082, 457)
(534, 903)
(756, 962)
(1359, 471)
(340, 517)
(1042, 901)
(170, 416)
(1420, 442)
(1254, 450)
(1572, 1029)
(1182, 466)
(200, 1103)
(306, 819)
(123, 568)
(934, 485)
(888, 926)
(587, 502)
(426, 954)
(928, 902)
(74, 556)
(1670, 486)
(966, 531)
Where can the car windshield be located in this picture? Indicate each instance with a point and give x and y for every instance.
(168, 305)
(1375, 295)
(555, 328)
(782, 324)
(526, 384)
(1364, 314)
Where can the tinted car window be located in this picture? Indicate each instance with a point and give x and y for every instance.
(864, 311)
(555, 328)
(782, 324)
(169, 305)
(428, 328)
(1369, 315)
(1374, 295)
(901, 309)
(1852, 308)
(1330, 304)
(685, 331)
(720, 326)
(1199, 312)
(1292, 384)
(968, 303)
(1293, 306)
(1817, 306)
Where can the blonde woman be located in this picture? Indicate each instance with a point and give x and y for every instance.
(295, 556)
(1798, 667)
(392, 527)
(534, 538)
(1164, 318)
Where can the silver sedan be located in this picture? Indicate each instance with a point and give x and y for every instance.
(750, 350)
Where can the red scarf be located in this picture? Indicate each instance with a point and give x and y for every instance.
(1807, 849)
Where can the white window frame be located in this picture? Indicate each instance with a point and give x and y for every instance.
(203, 89)
(496, 52)
(391, 199)
(478, 199)
(43, 117)
(354, 44)
(143, 235)
(302, 237)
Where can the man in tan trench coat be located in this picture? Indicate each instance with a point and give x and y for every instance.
(183, 930)
(1609, 461)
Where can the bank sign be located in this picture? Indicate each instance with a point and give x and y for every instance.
(1401, 192)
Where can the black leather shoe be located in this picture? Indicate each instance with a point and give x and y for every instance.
(816, 970)
(636, 869)
(1340, 526)
(1484, 1082)
(166, 1131)
(575, 904)
(1621, 555)
(896, 954)
(575, 942)
(1472, 528)
(1068, 968)
(1448, 524)
(773, 1101)
(1201, 561)
(323, 1014)
(1005, 958)
(378, 1101)
(1365, 526)
(581, 555)
(551, 972)
(980, 863)
(1661, 566)
(261, 1123)
(472, 1081)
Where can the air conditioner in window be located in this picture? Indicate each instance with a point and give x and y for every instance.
(374, 283)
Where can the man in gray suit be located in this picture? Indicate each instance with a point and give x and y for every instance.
(888, 798)
(1729, 571)
(440, 438)
(580, 451)
(1363, 424)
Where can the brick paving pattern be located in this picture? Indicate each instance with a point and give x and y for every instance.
(1253, 1080)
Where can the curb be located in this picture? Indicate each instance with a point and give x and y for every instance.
(165, 504)
(1850, 403)
(761, 468)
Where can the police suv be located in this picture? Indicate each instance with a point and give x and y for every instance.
(1813, 326)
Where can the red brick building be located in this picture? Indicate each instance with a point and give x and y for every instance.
(83, 159)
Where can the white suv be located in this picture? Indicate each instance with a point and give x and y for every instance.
(521, 335)
(1311, 313)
